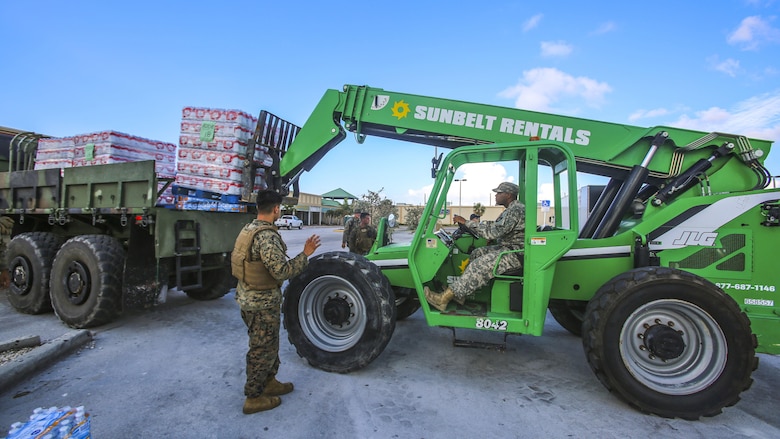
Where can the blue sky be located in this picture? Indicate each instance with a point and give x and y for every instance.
(83, 66)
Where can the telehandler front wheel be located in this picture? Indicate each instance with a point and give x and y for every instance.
(340, 312)
(669, 343)
(30, 256)
(86, 280)
(406, 302)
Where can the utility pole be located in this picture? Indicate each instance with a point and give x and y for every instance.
(460, 193)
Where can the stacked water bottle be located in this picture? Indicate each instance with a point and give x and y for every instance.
(53, 423)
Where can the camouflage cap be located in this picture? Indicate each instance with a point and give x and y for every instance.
(507, 187)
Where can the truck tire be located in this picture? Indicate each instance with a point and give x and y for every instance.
(406, 302)
(86, 281)
(30, 256)
(568, 314)
(340, 312)
(216, 283)
(669, 343)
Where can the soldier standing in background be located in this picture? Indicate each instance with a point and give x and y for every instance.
(509, 233)
(260, 263)
(348, 226)
(362, 236)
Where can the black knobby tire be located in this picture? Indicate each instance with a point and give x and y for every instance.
(569, 314)
(216, 283)
(669, 343)
(86, 281)
(406, 302)
(340, 312)
(30, 256)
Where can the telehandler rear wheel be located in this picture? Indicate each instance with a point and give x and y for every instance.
(669, 343)
(568, 314)
(340, 312)
(86, 280)
(30, 256)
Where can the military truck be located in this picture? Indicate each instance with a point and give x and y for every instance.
(670, 280)
(92, 241)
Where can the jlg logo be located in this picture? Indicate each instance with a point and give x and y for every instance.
(695, 238)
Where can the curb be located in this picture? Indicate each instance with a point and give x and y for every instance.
(41, 357)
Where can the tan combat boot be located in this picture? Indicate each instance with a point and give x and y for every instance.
(261, 404)
(439, 300)
(275, 388)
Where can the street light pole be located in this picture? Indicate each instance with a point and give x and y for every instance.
(460, 192)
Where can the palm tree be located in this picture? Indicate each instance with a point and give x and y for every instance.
(479, 209)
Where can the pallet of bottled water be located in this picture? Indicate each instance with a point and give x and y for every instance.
(53, 423)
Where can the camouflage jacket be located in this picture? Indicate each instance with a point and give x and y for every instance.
(361, 239)
(351, 223)
(269, 247)
(508, 229)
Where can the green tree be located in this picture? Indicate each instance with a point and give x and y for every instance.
(344, 210)
(413, 215)
(375, 204)
(479, 209)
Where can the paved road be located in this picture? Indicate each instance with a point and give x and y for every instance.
(177, 371)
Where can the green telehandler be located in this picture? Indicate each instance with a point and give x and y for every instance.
(669, 280)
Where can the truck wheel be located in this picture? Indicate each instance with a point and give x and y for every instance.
(340, 312)
(216, 283)
(30, 256)
(86, 281)
(568, 314)
(406, 302)
(669, 343)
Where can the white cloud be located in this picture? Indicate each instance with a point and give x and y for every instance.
(729, 66)
(757, 117)
(540, 88)
(555, 48)
(752, 32)
(532, 22)
(605, 28)
(644, 114)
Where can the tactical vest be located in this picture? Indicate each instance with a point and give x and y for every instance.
(253, 274)
(364, 241)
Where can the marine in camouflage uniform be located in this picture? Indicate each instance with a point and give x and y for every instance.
(261, 265)
(508, 231)
(362, 236)
(350, 225)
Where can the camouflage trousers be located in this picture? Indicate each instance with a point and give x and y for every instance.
(480, 269)
(262, 359)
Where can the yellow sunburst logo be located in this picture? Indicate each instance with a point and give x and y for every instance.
(463, 265)
(400, 109)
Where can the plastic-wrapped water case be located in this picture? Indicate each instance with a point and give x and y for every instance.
(53, 422)
(211, 157)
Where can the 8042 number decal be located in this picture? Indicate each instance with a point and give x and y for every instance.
(496, 325)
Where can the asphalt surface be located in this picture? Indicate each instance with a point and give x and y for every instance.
(177, 370)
